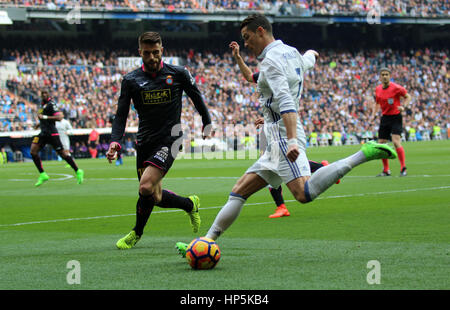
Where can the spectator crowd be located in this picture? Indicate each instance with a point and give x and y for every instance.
(337, 100)
(413, 8)
(338, 93)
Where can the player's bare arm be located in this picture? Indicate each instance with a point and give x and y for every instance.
(290, 122)
(245, 70)
(406, 100)
(315, 53)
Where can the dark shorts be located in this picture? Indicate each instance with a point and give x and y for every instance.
(158, 155)
(53, 140)
(390, 124)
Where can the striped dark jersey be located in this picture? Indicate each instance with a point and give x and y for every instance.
(157, 98)
(48, 108)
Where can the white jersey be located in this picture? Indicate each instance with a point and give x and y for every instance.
(63, 128)
(280, 85)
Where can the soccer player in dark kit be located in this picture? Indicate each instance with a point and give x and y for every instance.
(156, 90)
(48, 115)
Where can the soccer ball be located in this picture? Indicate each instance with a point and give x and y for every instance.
(203, 253)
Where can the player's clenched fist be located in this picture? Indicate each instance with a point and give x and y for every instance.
(111, 155)
(293, 152)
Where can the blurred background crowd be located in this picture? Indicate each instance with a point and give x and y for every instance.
(338, 93)
(421, 8)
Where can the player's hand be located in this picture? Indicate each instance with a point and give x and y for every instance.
(293, 152)
(111, 155)
(259, 122)
(235, 49)
(41, 116)
(316, 54)
(401, 109)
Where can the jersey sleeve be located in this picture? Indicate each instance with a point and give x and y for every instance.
(53, 109)
(309, 60)
(401, 91)
(123, 108)
(277, 81)
(191, 89)
(255, 77)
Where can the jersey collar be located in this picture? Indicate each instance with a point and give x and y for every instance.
(269, 47)
(153, 74)
(48, 100)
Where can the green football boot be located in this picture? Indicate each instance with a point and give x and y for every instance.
(43, 177)
(80, 176)
(194, 215)
(128, 241)
(374, 150)
(181, 248)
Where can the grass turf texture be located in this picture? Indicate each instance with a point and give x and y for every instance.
(401, 222)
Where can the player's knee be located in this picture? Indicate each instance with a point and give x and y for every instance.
(301, 197)
(146, 189)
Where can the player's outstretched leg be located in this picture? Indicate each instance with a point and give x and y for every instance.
(323, 178)
(226, 216)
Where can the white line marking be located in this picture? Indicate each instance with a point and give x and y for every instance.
(216, 207)
(66, 177)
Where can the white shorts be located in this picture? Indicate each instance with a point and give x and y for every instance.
(275, 168)
(65, 141)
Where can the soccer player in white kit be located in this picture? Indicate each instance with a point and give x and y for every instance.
(63, 128)
(280, 86)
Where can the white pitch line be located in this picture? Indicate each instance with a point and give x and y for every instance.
(217, 207)
(67, 176)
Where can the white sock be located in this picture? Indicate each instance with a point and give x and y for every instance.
(356, 159)
(226, 216)
(326, 176)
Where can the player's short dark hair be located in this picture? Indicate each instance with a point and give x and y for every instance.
(150, 37)
(254, 21)
(46, 89)
(385, 69)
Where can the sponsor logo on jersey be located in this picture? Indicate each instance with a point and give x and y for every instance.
(391, 100)
(162, 154)
(157, 96)
(169, 80)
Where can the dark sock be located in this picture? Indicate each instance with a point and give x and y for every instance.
(277, 195)
(71, 162)
(37, 162)
(171, 200)
(314, 166)
(144, 208)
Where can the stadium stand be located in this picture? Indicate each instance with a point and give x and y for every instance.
(419, 8)
(338, 93)
(336, 104)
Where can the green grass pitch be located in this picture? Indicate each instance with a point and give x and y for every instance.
(403, 223)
